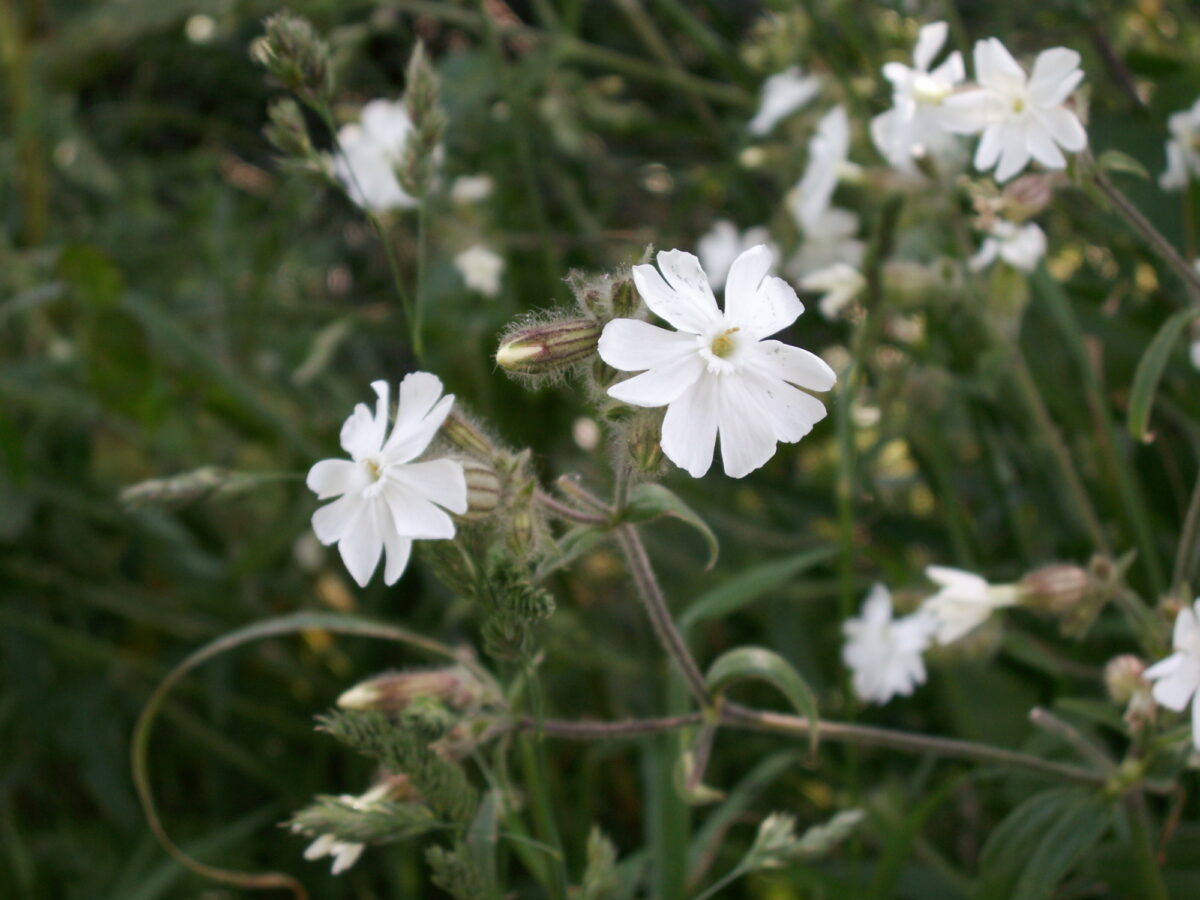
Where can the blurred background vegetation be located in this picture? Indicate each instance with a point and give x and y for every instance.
(171, 299)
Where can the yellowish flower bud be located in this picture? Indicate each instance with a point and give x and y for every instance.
(1055, 589)
(1123, 677)
(392, 692)
(548, 347)
(483, 489)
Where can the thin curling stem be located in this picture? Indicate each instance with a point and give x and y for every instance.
(656, 608)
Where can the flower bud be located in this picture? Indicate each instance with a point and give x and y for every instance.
(1054, 589)
(429, 123)
(1123, 677)
(293, 51)
(394, 691)
(483, 489)
(625, 299)
(465, 435)
(1029, 195)
(548, 347)
(645, 450)
(287, 131)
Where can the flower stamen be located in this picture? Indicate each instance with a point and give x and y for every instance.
(723, 345)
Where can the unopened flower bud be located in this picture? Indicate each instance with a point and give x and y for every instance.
(1123, 677)
(625, 299)
(548, 347)
(465, 435)
(1055, 589)
(645, 451)
(287, 131)
(483, 489)
(1028, 196)
(293, 51)
(394, 691)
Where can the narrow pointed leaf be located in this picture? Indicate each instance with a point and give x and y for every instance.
(652, 501)
(1150, 370)
(761, 664)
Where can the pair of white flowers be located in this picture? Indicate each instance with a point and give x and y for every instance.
(886, 655)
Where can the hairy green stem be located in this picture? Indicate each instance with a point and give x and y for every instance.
(563, 511)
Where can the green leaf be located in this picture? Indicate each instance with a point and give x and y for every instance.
(482, 838)
(652, 501)
(744, 588)
(1150, 370)
(1116, 161)
(1035, 847)
(760, 664)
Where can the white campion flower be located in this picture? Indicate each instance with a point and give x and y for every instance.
(828, 162)
(368, 154)
(1177, 678)
(840, 284)
(722, 244)
(964, 602)
(716, 373)
(385, 500)
(783, 94)
(1021, 117)
(471, 188)
(831, 239)
(345, 853)
(1021, 246)
(914, 126)
(480, 267)
(1183, 149)
(884, 653)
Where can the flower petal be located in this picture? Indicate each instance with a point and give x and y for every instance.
(779, 360)
(1175, 690)
(413, 516)
(333, 520)
(971, 111)
(747, 432)
(661, 385)
(790, 412)
(439, 481)
(1042, 146)
(995, 67)
(1015, 155)
(990, 145)
(632, 345)
(362, 545)
(930, 39)
(758, 303)
(692, 312)
(1056, 72)
(689, 429)
(1064, 126)
(362, 434)
(334, 477)
(398, 550)
(412, 442)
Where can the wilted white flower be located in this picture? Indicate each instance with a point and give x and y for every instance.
(1177, 678)
(471, 188)
(914, 127)
(480, 267)
(840, 283)
(884, 654)
(831, 239)
(716, 374)
(783, 94)
(827, 162)
(964, 602)
(1021, 246)
(722, 244)
(385, 500)
(1021, 117)
(368, 154)
(1183, 149)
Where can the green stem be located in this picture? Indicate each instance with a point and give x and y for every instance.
(418, 341)
(1149, 873)
(1185, 555)
(728, 878)
(533, 764)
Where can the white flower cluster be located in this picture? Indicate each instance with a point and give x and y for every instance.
(885, 655)
(369, 152)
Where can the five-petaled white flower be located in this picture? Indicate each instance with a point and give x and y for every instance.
(385, 500)
(828, 153)
(884, 653)
(964, 602)
(480, 267)
(839, 283)
(1021, 246)
(914, 126)
(1021, 117)
(1183, 149)
(722, 244)
(368, 154)
(1177, 678)
(716, 373)
(783, 94)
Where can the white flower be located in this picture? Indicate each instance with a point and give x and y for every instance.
(1183, 149)
(1177, 678)
(829, 240)
(345, 853)
(827, 163)
(723, 244)
(1021, 246)
(885, 653)
(1020, 117)
(840, 284)
(471, 188)
(368, 154)
(782, 95)
(964, 602)
(913, 127)
(480, 267)
(716, 374)
(385, 500)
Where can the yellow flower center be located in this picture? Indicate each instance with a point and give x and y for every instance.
(374, 468)
(722, 344)
(1018, 105)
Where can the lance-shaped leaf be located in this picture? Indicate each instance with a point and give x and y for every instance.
(652, 501)
(760, 664)
(1150, 370)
